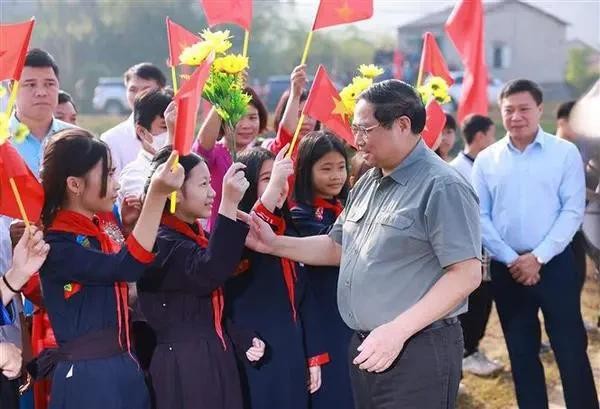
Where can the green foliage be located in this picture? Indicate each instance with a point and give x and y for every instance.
(225, 93)
(580, 74)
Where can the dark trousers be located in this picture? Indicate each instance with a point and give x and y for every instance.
(578, 246)
(425, 375)
(9, 393)
(558, 296)
(475, 320)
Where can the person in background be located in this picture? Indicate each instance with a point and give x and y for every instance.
(122, 140)
(448, 138)
(478, 133)
(66, 110)
(531, 190)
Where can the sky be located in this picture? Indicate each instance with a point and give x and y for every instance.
(583, 15)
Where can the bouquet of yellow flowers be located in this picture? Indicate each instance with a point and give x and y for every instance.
(435, 88)
(349, 95)
(6, 133)
(224, 87)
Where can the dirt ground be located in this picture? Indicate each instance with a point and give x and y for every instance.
(498, 392)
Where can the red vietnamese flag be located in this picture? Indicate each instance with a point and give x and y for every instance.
(432, 60)
(434, 123)
(188, 102)
(14, 42)
(335, 12)
(465, 29)
(179, 38)
(228, 11)
(30, 190)
(324, 104)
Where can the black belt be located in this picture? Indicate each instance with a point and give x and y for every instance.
(445, 322)
(94, 345)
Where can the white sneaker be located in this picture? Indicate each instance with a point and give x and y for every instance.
(478, 364)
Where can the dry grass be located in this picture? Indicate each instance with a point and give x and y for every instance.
(498, 392)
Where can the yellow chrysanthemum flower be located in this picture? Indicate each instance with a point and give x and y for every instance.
(348, 96)
(361, 83)
(195, 54)
(4, 131)
(218, 40)
(231, 64)
(21, 133)
(370, 71)
(439, 89)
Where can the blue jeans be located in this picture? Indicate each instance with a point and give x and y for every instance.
(557, 294)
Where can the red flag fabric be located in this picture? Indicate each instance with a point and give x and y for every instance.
(30, 190)
(398, 64)
(465, 29)
(188, 102)
(432, 60)
(335, 12)
(228, 11)
(179, 38)
(14, 42)
(434, 123)
(324, 104)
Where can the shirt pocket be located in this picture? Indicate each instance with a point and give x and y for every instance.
(353, 225)
(397, 235)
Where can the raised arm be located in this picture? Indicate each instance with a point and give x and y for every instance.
(209, 131)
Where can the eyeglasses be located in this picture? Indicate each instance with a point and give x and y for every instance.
(363, 132)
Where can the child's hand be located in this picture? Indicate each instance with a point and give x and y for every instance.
(298, 80)
(170, 119)
(314, 382)
(167, 178)
(10, 360)
(29, 255)
(130, 212)
(235, 184)
(283, 168)
(256, 351)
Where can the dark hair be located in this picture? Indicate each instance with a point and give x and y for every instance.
(150, 104)
(187, 162)
(358, 167)
(564, 110)
(522, 85)
(263, 114)
(70, 152)
(282, 104)
(313, 147)
(450, 122)
(394, 98)
(38, 58)
(146, 71)
(64, 97)
(253, 159)
(475, 123)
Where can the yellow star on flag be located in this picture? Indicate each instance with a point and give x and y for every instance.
(340, 108)
(345, 12)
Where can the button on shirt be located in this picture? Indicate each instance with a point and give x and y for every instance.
(398, 233)
(532, 200)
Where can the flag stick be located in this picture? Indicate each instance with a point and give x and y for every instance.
(174, 194)
(306, 47)
(13, 185)
(12, 98)
(246, 41)
(174, 78)
(295, 138)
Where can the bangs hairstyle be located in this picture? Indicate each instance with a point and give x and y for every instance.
(71, 152)
(187, 162)
(253, 159)
(312, 148)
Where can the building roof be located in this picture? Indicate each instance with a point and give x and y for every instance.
(439, 18)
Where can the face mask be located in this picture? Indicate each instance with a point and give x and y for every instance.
(160, 140)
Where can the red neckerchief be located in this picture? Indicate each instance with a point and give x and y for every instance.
(335, 206)
(67, 221)
(287, 266)
(217, 296)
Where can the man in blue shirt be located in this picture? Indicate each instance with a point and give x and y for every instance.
(532, 197)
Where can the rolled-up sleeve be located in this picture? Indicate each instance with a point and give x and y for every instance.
(336, 232)
(452, 223)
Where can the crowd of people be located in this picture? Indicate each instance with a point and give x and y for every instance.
(319, 278)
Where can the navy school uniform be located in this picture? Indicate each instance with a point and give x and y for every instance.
(193, 365)
(258, 298)
(78, 282)
(336, 391)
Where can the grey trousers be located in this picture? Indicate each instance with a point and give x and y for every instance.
(425, 375)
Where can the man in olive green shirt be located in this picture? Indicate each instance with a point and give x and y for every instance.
(409, 246)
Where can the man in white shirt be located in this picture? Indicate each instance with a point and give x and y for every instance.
(478, 133)
(122, 140)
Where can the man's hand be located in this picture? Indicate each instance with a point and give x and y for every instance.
(381, 348)
(525, 269)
